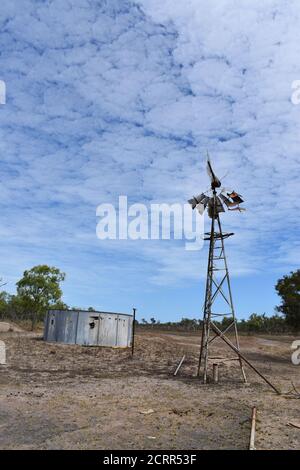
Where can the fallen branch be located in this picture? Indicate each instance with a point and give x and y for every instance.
(179, 365)
(252, 434)
(294, 424)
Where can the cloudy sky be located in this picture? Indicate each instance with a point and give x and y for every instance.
(109, 98)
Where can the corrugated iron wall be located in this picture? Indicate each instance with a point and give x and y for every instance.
(88, 328)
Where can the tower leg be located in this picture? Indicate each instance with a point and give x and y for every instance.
(231, 303)
(207, 307)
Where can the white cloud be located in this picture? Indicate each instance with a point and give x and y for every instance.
(124, 98)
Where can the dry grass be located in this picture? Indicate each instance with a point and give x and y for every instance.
(55, 396)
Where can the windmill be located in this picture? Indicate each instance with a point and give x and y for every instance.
(218, 304)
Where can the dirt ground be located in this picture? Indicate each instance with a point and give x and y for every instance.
(56, 396)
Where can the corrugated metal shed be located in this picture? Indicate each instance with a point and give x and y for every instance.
(88, 328)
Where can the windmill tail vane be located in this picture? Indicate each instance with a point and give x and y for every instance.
(215, 182)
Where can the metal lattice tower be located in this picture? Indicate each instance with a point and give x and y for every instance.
(218, 298)
(217, 288)
(218, 304)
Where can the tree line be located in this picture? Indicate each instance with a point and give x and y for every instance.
(39, 289)
(255, 323)
(285, 320)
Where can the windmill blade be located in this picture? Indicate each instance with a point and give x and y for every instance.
(202, 205)
(198, 199)
(201, 208)
(192, 202)
(227, 201)
(235, 197)
(220, 207)
(215, 182)
(238, 208)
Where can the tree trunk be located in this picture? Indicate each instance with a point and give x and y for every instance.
(33, 321)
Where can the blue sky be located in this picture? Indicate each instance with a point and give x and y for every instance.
(109, 98)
